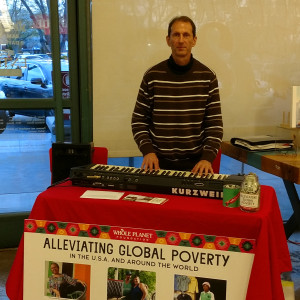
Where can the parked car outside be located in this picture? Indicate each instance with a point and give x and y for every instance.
(20, 57)
(33, 81)
(3, 56)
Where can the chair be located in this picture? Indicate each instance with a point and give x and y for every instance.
(114, 289)
(216, 163)
(99, 156)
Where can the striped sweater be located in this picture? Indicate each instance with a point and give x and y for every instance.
(177, 114)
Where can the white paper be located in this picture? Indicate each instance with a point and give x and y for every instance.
(102, 195)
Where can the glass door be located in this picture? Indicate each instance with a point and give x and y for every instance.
(37, 88)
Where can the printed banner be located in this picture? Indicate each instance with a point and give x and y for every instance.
(86, 262)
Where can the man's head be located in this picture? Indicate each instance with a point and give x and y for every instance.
(128, 274)
(206, 286)
(54, 268)
(181, 39)
(182, 19)
(136, 280)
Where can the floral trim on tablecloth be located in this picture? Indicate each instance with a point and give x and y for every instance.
(210, 242)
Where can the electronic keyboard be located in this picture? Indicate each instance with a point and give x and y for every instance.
(160, 182)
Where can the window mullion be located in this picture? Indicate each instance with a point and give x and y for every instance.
(57, 81)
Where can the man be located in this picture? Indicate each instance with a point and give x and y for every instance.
(206, 294)
(177, 122)
(60, 285)
(127, 285)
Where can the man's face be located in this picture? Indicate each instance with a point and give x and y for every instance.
(54, 269)
(205, 288)
(181, 39)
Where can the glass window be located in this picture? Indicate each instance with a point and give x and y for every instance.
(25, 170)
(34, 72)
(26, 72)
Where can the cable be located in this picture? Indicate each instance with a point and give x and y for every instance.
(292, 242)
(58, 182)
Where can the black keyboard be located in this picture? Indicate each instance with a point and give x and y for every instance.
(161, 181)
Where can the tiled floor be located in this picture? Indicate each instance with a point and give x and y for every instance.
(228, 166)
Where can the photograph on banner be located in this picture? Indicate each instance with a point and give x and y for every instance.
(66, 280)
(192, 288)
(129, 284)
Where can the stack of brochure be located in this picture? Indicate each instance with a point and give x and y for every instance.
(262, 142)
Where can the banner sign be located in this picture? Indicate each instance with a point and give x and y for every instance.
(84, 261)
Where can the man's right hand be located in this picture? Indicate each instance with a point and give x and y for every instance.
(150, 162)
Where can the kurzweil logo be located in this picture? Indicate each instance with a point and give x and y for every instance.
(197, 193)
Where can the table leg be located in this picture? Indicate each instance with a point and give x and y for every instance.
(243, 168)
(294, 221)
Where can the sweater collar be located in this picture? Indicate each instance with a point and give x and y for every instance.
(180, 69)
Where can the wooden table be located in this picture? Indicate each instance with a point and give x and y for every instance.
(284, 164)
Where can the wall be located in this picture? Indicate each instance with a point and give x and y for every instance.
(253, 46)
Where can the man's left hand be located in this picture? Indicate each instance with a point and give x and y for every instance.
(203, 167)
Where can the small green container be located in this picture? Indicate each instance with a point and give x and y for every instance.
(231, 195)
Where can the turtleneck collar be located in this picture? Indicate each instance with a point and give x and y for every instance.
(177, 68)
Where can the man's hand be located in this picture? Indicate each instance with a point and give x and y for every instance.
(57, 293)
(203, 167)
(150, 162)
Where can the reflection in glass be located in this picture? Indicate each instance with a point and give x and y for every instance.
(27, 121)
(33, 81)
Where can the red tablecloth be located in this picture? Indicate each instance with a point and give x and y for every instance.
(181, 214)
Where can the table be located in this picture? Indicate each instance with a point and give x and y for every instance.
(283, 164)
(181, 214)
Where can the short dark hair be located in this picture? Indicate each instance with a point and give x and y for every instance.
(182, 19)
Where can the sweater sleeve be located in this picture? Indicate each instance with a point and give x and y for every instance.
(141, 119)
(213, 123)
